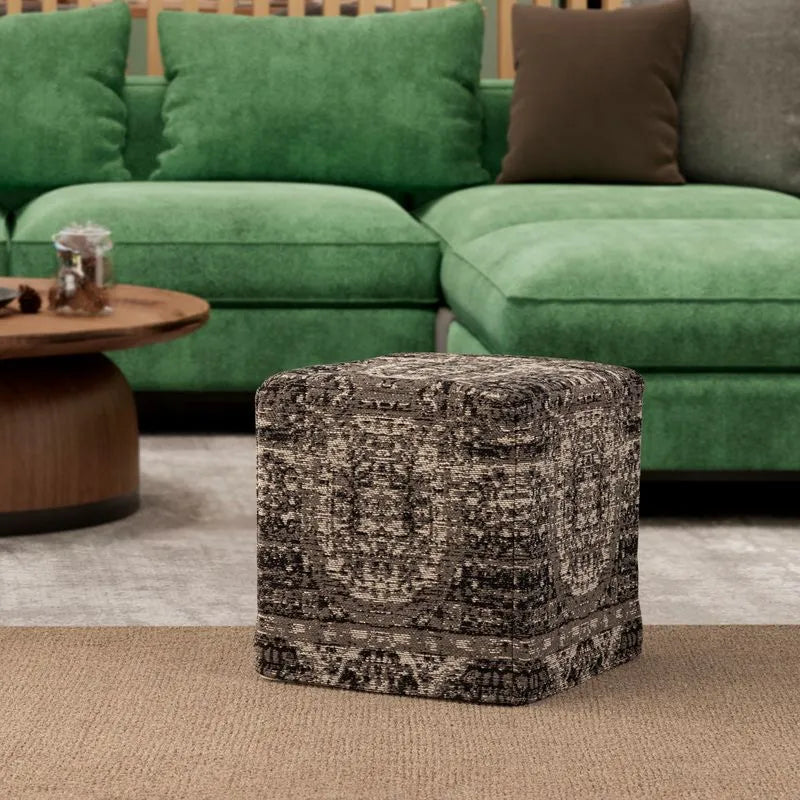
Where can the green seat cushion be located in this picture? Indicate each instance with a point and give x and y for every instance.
(61, 80)
(238, 348)
(470, 213)
(245, 243)
(383, 101)
(653, 277)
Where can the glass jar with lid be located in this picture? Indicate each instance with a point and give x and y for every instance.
(85, 270)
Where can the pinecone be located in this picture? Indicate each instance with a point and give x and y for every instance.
(29, 300)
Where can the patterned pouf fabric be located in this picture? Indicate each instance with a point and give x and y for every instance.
(448, 526)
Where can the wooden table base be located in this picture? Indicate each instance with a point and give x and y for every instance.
(69, 444)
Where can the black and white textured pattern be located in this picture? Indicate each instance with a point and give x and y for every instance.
(459, 527)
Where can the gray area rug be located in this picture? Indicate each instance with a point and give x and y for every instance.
(188, 557)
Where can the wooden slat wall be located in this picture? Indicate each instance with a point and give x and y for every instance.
(154, 65)
(150, 9)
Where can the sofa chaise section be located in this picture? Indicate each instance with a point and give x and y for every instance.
(696, 277)
(695, 286)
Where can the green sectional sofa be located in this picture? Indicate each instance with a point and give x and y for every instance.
(696, 286)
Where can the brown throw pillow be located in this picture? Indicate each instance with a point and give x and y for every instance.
(595, 97)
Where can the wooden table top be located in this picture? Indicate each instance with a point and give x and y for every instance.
(142, 315)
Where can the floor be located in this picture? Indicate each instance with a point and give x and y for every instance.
(188, 557)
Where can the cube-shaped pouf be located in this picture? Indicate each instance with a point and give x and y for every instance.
(459, 527)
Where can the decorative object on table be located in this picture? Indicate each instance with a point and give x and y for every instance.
(7, 296)
(29, 300)
(85, 272)
(576, 122)
(70, 410)
(457, 527)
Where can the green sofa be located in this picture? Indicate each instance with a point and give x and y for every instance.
(695, 286)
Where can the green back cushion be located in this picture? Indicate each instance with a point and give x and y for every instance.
(61, 79)
(381, 101)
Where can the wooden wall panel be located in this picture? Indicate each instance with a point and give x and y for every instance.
(149, 9)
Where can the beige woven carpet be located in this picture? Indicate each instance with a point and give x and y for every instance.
(160, 713)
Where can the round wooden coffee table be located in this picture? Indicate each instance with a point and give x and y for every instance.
(69, 440)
